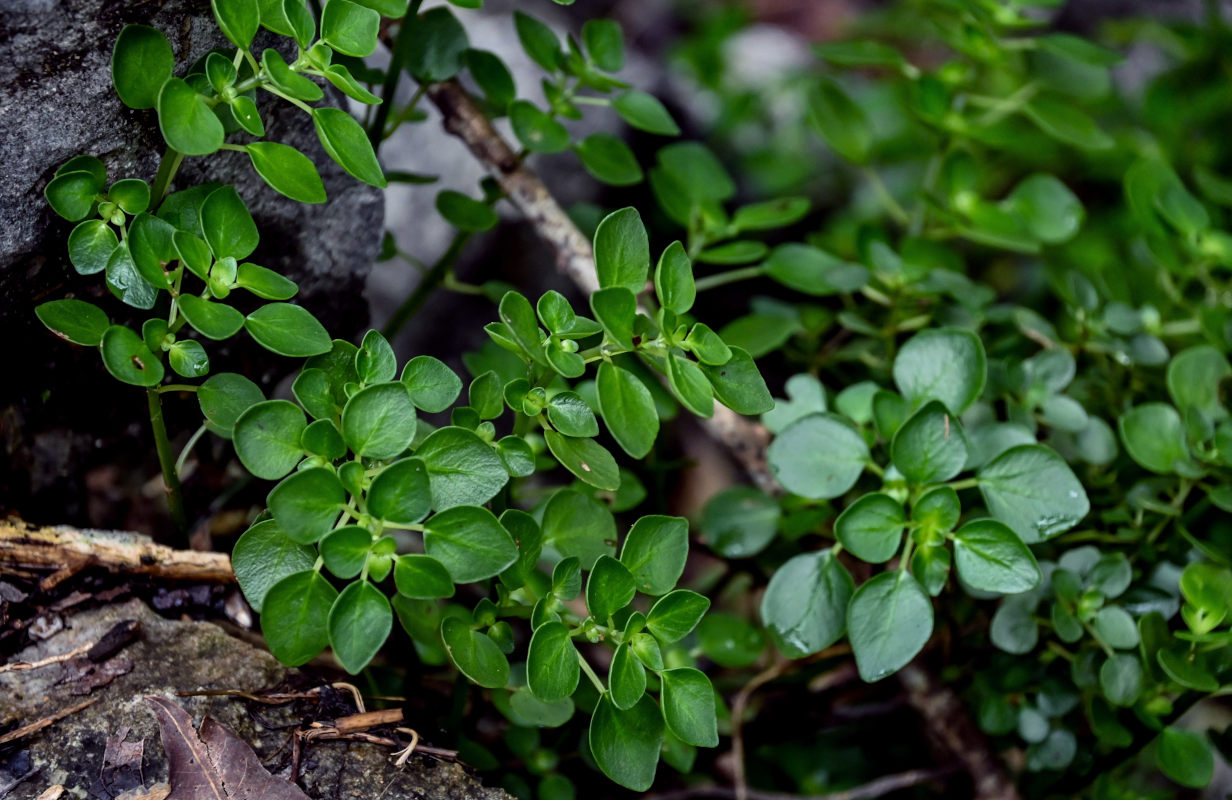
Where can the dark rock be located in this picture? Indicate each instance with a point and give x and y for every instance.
(81, 751)
(57, 102)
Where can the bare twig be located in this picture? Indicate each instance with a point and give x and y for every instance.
(739, 706)
(938, 705)
(25, 546)
(35, 727)
(876, 788)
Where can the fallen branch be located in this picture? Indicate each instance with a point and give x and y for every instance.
(35, 727)
(943, 713)
(68, 551)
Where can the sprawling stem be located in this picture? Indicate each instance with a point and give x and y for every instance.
(427, 284)
(401, 49)
(166, 460)
(166, 171)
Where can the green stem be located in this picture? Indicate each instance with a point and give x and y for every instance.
(192, 441)
(731, 276)
(401, 51)
(166, 171)
(590, 673)
(171, 478)
(968, 483)
(177, 387)
(427, 285)
(891, 205)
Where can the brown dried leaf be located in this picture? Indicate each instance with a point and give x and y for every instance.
(222, 767)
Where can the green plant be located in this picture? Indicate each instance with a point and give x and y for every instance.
(1018, 294)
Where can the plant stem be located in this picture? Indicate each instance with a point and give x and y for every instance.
(166, 171)
(192, 441)
(397, 58)
(590, 673)
(731, 276)
(427, 285)
(166, 460)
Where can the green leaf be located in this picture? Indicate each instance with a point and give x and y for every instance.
(288, 171)
(151, 244)
(615, 309)
(1062, 121)
(80, 322)
(347, 144)
(267, 438)
(475, 654)
(889, 621)
(1154, 436)
(575, 524)
(141, 62)
(188, 123)
(379, 421)
(740, 521)
(470, 542)
(400, 493)
(343, 81)
(438, 41)
(625, 744)
(288, 80)
(287, 330)
(128, 359)
(872, 528)
(422, 577)
(72, 194)
(1032, 489)
(676, 614)
(730, 641)
(188, 358)
(321, 438)
(814, 271)
(1187, 673)
(1014, 628)
(520, 321)
(645, 112)
(818, 456)
(465, 213)
(609, 160)
(552, 670)
(1120, 679)
(265, 283)
(585, 458)
(698, 171)
(622, 251)
(738, 384)
(770, 214)
(930, 447)
(125, 281)
(90, 245)
(307, 504)
(990, 557)
(345, 550)
(359, 623)
(1050, 210)
(246, 115)
(689, 707)
(213, 320)
(350, 28)
(264, 555)
(433, 386)
(1194, 376)
(805, 605)
(655, 551)
(860, 53)
(690, 385)
(238, 20)
(610, 588)
(492, 77)
(294, 617)
(536, 129)
(626, 678)
(604, 44)
(462, 469)
(945, 364)
(538, 40)
(673, 280)
(223, 398)
(570, 415)
(131, 194)
(937, 510)
(840, 121)
(1185, 756)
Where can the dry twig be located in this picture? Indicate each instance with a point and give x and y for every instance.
(872, 789)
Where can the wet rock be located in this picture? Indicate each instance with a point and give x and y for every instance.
(113, 746)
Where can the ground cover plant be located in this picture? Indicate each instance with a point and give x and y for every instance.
(994, 309)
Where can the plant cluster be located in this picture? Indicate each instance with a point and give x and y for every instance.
(1003, 363)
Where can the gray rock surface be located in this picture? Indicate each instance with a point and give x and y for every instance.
(82, 752)
(56, 102)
